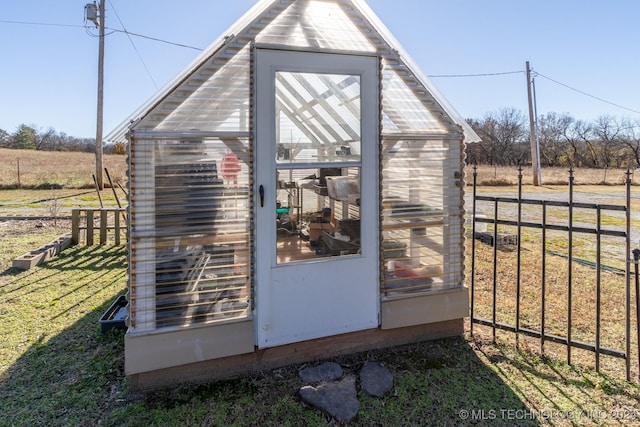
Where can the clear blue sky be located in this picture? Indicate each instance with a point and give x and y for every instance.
(49, 72)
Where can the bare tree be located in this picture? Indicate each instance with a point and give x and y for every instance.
(608, 132)
(631, 140)
(554, 147)
(480, 152)
(46, 141)
(502, 134)
(604, 143)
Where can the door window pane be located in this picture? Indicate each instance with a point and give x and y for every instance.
(317, 213)
(317, 117)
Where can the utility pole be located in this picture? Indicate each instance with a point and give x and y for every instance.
(99, 168)
(99, 21)
(535, 149)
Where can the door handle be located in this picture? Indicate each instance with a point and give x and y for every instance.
(261, 190)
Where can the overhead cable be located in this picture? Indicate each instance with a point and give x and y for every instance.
(4, 21)
(129, 34)
(587, 94)
(155, 39)
(134, 46)
(116, 30)
(477, 75)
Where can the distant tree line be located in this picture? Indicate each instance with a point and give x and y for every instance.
(31, 137)
(606, 142)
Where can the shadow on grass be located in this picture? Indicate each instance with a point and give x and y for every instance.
(81, 260)
(441, 382)
(59, 369)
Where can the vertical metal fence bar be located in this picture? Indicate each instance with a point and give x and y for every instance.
(543, 274)
(570, 267)
(598, 283)
(517, 328)
(473, 247)
(628, 274)
(495, 265)
(519, 237)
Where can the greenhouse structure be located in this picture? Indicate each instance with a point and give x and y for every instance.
(296, 193)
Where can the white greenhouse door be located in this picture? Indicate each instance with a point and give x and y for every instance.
(316, 116)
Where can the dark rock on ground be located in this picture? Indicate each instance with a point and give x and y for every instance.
(328, 371)
(376, 379)
(338, 398)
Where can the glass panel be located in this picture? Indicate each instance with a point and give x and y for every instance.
(317, 213)
(317, 117)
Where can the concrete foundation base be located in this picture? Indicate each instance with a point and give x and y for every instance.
(307, 351)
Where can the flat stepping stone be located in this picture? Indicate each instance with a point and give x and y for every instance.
(328, 371)
(339, 399)
(375, 379)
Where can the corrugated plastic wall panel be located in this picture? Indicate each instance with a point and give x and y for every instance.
(421, 216)
(190, 238)
(216, 98)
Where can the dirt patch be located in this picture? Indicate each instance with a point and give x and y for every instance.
(18, 237)
(11, 228)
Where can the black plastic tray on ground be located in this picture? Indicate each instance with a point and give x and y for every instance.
(115, 316)
(338, 246)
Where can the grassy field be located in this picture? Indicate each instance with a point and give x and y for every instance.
(46, 170)
(58, 369)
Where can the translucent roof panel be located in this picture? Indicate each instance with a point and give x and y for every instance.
(326, 24)
(403, 111)
(214, 98)
(213, 94)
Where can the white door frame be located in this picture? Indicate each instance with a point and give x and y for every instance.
(328, 296)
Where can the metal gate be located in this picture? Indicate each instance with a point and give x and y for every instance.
(509, 233)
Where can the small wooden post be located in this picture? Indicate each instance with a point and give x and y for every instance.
(89, 227)
(103, 226)
(75, 226)
(116, 227)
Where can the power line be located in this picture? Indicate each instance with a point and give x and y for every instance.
(477, 75)
(155, 39)
(113, 30)
(134, 46)
(588, 94)
(47, 24)
(129, 34)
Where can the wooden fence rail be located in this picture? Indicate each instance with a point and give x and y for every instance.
(111, 222)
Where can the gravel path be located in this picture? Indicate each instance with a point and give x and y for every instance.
(533, 213)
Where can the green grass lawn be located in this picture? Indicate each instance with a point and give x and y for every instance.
(58, 369)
